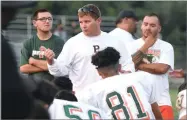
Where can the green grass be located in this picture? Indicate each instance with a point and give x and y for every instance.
(173, 94)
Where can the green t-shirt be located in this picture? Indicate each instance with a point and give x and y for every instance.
(31, 48)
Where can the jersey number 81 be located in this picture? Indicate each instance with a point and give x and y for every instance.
(122, 107)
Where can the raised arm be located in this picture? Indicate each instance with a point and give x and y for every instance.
(138, 55)
(61, 65)
(163, 65)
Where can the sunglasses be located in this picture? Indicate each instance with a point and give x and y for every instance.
(86, 9)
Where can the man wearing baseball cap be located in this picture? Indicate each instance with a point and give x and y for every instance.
(125, 26)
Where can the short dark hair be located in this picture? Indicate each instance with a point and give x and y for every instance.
(106, 58)
(152, 14)
(45, 91)
(90, 9)
(127, 14)
(183, 86)
(63, 83)
(35, 15)
(66, 95)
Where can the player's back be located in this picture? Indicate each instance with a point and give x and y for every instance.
(62, 109)
(120, 95)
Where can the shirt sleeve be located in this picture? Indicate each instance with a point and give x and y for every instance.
(153, 90)
(167, 57)
(149, 85)
(63, 63)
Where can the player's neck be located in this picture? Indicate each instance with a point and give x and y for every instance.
(112, 73)
(44, 35)
(123, 27)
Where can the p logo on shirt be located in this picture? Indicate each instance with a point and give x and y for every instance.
(96, 48)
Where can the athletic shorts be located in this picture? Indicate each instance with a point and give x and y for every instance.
(167, 112)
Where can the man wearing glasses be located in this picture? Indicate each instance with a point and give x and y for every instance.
(75, 58)
(33, 61)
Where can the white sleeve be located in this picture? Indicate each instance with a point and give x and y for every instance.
(167, 57)
(63, 63)
(149, 85)
(153, 86)
(153, 90)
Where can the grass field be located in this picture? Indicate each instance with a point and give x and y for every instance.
(173, 94)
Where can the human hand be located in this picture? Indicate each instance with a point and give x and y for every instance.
(42, 48)
(178, 73)
(150, 40)
(31, 60)
(49, 54)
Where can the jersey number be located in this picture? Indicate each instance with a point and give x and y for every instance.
(122, 107)
(71, 110)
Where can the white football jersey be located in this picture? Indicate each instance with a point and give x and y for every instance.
(181, 102)
(122, 96)
(62, 109)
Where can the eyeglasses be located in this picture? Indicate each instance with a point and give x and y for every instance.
(86, 9)
(44, 19)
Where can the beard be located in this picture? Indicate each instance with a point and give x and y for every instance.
(148, 32)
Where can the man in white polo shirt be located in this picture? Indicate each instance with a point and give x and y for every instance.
(155, 56)
(125, 26)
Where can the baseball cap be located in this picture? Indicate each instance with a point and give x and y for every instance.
(17, 4)
(126, 13)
